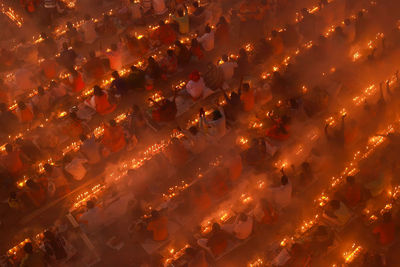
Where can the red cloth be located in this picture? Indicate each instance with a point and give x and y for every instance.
(353, 195)
(195, 76)
(165, 34)
(386, 232)
(78, 84)
(114, 138)
(103, 106)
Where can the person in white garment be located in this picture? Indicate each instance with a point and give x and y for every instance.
(228, 68)
(207, 39)
(241, 228)
(89, 30)
(281, 196)
(159, 7)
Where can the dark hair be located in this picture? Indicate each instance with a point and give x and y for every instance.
(350, 180)
(40, 90)
(193, 130)
(114, 47)
(28, 248)
(170, 52)
(97, 91)
(9, 148)
(225, 57)
(92, 54)
(284, 180)
(195, 4)
(180, 12)
(83, 137)
(112, 123)
(90, 204)
(207, 29)
(161, 23)
(387, 217)
(48, 167)
(216, 115)
(21, 105)
(246, 86)
(115, 74)
(87, 17)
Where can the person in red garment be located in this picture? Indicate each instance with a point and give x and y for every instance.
(352, 192)
(76, 81)
(113, 137)
(165, 34)
(24, 113)
(13, 161)
(100, 101)
(386, 230)
(158, 226)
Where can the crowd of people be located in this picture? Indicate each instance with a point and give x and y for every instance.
(240, 84)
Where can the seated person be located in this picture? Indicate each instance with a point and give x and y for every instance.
(201, 199)
(234, 165)
(164, 34)
(218, 123)
(197, 141)
(265, 213)
(36, 192)
(247, 97)
(90, 149)
(57, 178)
(29, 149)
(182, 53)
(76, 81)
(281, 196)
(322, 238)
(213, 77)
(280, 130)
(158, 225)
(386, 230)
(119, 86)
(352, 192)
(42, 101)
(13, 161)
(256, 153)
(196, 258)
(164, 111)
(33, 257)
(176, 153)
(24, 113)
(93, 218)
(136, 79)
(337, 212)
(94, 67)
(217, 241)
(169, 63)
(75, 167)
(196, 86)
(241, 228)
(113, 137)
(100, 102)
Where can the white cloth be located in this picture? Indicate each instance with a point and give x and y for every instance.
(207, 41)
(282, 195)
(76, 168)
(228, 69)
(195, 89)
(92, 219)
(240, 229)
(89, 31)
(218, 127)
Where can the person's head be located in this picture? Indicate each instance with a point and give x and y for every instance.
(83, 137)
(350, 180)
(338, 30)
(3, 107)
(321, 231)
(43, 35)
(161, 23)
(191, 252)
(97, 91)
(207, 29)
(67, 159)
(195, 4)
(222, 20)
(246, 87)
(28, 248)
(48, 168)
(89, 204)
(242, 217)
(92, 54)
(155, 214)
(49, 235)
(31, 184)
(21, 105)
(114, 47)
(112, 123)
(87, 17)
(170, 52)
(134, 68)
(242, 52)
(180, 12)
(178, 43)
(225, 58)
(13, 195)
(347, 22)
(216, 115)
(387, 217)
(115, 74)
(9, 148)
(135, 109)
(40, 90)
(284, 180)
(216, 227)
(69, 25)
(334, 204)
(151, 61)
(360, 15)
(193, 130)
(304, 12)
(274, 33)
(65, 46)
